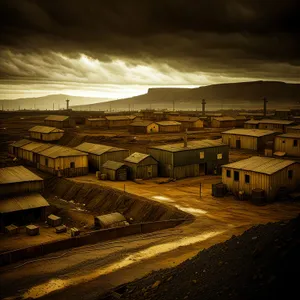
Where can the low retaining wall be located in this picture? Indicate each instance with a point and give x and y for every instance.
(89, 238)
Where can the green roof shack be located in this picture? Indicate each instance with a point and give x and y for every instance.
(190, 159)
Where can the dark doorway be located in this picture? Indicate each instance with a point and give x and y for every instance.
(202, 169)
(238, 144)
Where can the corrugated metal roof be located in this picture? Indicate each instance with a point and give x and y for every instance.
(136, 157)
(283, 110)
(191, 145)
(294, 127)
(96, 149)
(110, 219)
(23, 202)
(185, 119)
(240, 117)
(32, 146)
(264, 165)
(96, 119)
(254, 122)
(21, 143)
(290, 135)
(269, 121)
(61, 151)
(249, 132)
(57, 118)
(44, 129)
(17, 174)
(41, 148)
(119, 118)
(141, 123)
(168, 123)
(112, 165)
(223, 119)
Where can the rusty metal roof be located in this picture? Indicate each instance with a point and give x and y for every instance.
(41, 148)
(45, 129)
(61, 151)
(281, 122)
(97, 149)
(32, 146)
(191, 145)
(21, 143)
(136, 157)
(290, 135)
(23, 202)
(57, 118)
(168, 123)
(249, 132)
(259, 164)
(110, 219)
(17, 174)
(113, 165)
(144, 123)
(297, 127)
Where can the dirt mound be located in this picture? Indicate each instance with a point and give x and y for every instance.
(262, 263)
(102, 200)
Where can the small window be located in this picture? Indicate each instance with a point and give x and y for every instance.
(201, 154)
(46, 162)
(228, 173)
(236, 176)
(247, 178)
(220, 156)
(290, 174)
(283, 141)
(295, 143)
(72, 165)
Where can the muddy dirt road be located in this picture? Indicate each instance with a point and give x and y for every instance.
(87, 272)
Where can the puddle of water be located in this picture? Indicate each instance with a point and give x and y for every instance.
(162, 198)
(191, 210)
(58, 284)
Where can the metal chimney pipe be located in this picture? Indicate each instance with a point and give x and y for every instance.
(265, 106)
(203, 107)
(67, 103)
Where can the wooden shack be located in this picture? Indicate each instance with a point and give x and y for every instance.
(240, 121)
(99, 154)
(252, 139)
(63, 161)
(194, 159)
(269, 124)
(289, 143)
(30, 151)
(293, 129)
(119, 121)
(222, 122)
(22, 209)
(168, 126)
(96, 122)
(282, 113)
(13, 149)
(251, 124)
(16, 180)
(141, 166)
(187, 122)
(59, 121)
(266, 173)
(114, 170)
(143, 127)
(110, 220)
(46, 133)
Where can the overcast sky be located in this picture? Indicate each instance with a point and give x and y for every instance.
(118, 48)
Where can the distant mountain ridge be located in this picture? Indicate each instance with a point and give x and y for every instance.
(227, 95)
(46, 102)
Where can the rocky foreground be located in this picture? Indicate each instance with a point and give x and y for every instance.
(262, 263)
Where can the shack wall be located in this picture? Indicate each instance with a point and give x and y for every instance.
(285, 144)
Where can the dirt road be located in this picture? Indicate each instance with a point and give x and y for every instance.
(87, 272)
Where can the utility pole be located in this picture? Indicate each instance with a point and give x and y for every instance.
(200, 191)
(173, 105)
(203, 107)
(67, 103)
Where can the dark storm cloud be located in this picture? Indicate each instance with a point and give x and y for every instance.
(239, 38)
